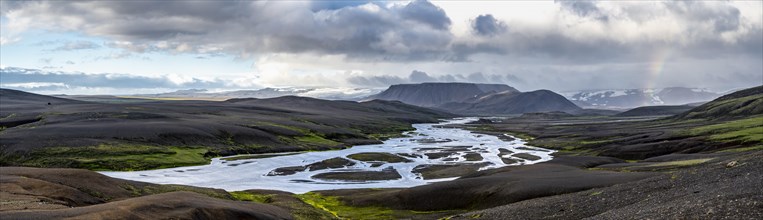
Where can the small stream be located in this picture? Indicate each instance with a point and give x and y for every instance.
(419, 150)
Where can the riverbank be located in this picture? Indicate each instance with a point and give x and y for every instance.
(430, 153)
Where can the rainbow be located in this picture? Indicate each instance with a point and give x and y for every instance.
(656, 66)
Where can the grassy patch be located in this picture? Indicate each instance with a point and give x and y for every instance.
(745, 130)
(386, 136)
(681, 163)
(384, 132)
(314, 139)
(115, 157)
(251, 197)
(293, 128)
(298, 209)
(744, 149)
(332, 205)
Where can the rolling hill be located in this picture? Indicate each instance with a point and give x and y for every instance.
(512, 103)
(435, 94)
(656, 110)
(92, 135)
(742, 103)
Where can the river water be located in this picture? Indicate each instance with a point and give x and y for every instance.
(427, 138)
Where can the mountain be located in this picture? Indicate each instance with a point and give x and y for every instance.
(656, 110)
(435, 94)
(321, 93)
(741, 103)
(512, 103)
(71, 133)
(631, 98)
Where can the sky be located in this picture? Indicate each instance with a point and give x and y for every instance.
(128, 47)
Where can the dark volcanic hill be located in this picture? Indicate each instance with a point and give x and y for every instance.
(435, 94)
(512, 103)
(656, 110)
(71, 133)
(738, 104)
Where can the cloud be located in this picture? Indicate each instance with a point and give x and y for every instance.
(422, 77)
(487, 25)
(32, 79)
(77, 45)
(372, 31)
(584, 9)
(390, 31)
(570, 44)
(419, 76)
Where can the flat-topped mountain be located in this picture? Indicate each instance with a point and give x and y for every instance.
(435, 94)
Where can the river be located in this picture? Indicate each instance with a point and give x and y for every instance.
(426, 139)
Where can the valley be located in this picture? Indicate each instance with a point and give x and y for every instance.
(329, 162)
(430, 153)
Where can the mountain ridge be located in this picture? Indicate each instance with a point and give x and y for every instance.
(434, 94)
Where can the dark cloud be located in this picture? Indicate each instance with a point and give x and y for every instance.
(334, 5)
(375, 81)
(723, 17)
(425, 12)
(583, 9)
(487, 25)
(418, 30)
(421, 77)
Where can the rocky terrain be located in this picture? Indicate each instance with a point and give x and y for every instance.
(44, 131)
(704, 163)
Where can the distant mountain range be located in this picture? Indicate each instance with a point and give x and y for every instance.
(320, 93)
(477, 99)
(631, 98)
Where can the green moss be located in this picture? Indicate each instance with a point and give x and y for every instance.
(293, 128)
(596, 193)
(728, 108)
(258, 198)
(384, 132)
(681, 163)
(332, 205)
(115, 157)
(744, 149)
(314, 139)
(748, 130)
(386, 136)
